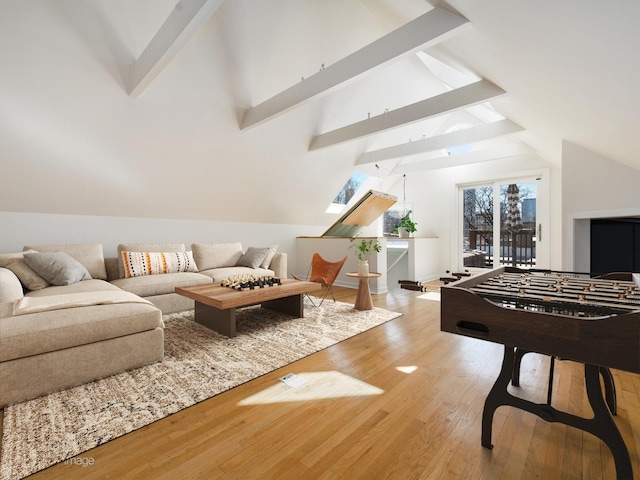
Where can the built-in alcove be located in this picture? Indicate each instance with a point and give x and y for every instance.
(615, 244)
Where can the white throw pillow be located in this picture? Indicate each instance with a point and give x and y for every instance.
(145, 247)
(137, 264)
(267, 260)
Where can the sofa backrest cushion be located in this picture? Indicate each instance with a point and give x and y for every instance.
(28, 278)
(57, 268)
(145, 247)
(216, 255)
(88, 254)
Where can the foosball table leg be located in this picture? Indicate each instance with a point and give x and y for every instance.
(602, 424)
(609, 389)
(515, 377)
(498, 395)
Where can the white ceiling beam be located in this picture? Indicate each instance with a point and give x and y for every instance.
(425, 31)
(447, 140)
(466, 158)
(463, 97)
(179, 27)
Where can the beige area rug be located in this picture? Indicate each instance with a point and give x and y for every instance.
(199, 363)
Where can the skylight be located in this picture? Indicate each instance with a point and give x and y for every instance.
(355, 184)
(457, 149)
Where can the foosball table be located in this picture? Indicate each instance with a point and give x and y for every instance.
(567, 315)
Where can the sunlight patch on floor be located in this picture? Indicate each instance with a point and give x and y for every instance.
(435, 296)
(318, 386)
(407, 369)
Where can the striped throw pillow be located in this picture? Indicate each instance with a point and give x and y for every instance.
(137, 264)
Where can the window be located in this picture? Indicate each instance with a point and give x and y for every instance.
(392, 217)
(356, 182)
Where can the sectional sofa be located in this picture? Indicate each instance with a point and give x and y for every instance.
(69, 316)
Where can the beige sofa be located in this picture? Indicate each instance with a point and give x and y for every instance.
(215, 262)
(57, 336)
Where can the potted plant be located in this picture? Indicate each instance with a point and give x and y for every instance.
(364, 247)
(405, 227)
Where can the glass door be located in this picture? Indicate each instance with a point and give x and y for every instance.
(499, 223)
(517, 232)
(477, 226)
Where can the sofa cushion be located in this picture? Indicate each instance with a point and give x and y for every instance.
(216, 255)
(138, 264)
(253, 257)
(84, 286)
(159, 284)
(88, 254)
(28, 278)
(219, 274)
(36, 333)
(270, 254)
(145, 247)
(57, 268)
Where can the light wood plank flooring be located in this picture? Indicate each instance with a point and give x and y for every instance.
(422, 420)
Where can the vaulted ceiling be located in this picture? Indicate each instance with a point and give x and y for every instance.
(259, 111)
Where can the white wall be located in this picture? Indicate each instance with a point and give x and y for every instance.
(593, 186)
(72, 141)
(20, 229)
(334, 249)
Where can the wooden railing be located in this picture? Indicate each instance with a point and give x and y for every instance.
(516, 248)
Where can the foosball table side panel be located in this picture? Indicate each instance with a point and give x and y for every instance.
(612, 341)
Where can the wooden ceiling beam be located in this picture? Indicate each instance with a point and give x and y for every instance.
(446, 140)
(425, 31)
(179, 27)
(459, 98)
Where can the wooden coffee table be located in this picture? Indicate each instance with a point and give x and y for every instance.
(216, 305)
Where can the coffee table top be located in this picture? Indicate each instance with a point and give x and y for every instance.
(215, 295)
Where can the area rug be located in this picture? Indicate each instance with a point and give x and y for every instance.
(199, 363)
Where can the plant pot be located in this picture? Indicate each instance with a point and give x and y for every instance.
(363, 268)
(403, 233)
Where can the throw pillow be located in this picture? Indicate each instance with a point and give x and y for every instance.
(267, 260)
(253, 257)
(145, 247)
(88, 254)
(216, 255)
(28, 278)
(137, 264)
(57, 268)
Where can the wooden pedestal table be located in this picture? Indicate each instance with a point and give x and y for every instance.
(215, 305)
(363, 299)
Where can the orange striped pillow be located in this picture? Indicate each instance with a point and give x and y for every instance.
(137, 264)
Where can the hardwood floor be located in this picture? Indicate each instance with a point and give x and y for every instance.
(421, 421)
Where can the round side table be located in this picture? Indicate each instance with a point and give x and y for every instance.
(363, 298)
